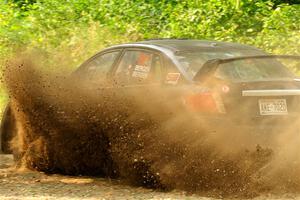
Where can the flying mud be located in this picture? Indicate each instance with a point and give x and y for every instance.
(67, 126)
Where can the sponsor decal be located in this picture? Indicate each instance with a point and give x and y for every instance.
(172, 78)
(141, 71)
(141, 75)
(142, 68)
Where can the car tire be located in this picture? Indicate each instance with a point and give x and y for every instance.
(7, 130)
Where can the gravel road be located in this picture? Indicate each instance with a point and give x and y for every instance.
(25, 184)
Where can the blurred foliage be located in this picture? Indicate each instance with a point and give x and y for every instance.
(79, 28)
(69, 31)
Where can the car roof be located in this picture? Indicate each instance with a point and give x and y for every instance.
(191, 45)
(174, 46)
(187, 45)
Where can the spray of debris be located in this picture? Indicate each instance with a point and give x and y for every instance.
(67, 125)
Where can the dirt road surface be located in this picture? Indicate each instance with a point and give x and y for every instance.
(25, 184)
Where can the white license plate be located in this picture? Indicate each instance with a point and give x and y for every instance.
(272, 106)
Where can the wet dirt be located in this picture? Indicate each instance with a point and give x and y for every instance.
(20, 184)
(26, 184)
(76, 129)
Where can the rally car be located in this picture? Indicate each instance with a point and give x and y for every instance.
(220, 81)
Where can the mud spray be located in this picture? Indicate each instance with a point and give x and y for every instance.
(69, 127)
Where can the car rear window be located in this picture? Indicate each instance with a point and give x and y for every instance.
(240, 70)
(254, 70)
(192, 61)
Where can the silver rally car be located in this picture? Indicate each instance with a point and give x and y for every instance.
(220, 81)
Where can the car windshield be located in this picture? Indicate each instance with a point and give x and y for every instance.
(239, 70)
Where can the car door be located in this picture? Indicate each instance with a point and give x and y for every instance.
(152, 79)
(139, 76)
(139, 68)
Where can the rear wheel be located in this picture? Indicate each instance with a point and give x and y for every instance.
(7, 130)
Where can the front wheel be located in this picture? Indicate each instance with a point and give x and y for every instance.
(7, 130)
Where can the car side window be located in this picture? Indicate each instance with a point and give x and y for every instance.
(139, 67)
(98, 67)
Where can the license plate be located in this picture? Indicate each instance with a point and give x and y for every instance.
(272, 106)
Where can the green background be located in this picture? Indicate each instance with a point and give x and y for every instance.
(66, 32)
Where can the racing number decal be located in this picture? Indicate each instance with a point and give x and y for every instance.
(143, 65)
